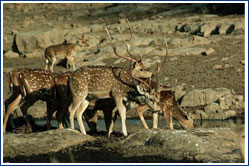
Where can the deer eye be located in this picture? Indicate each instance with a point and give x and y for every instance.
(141, 69)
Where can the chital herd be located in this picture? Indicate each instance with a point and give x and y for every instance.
(91, 88)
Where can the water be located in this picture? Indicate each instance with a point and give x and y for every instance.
(134, 124)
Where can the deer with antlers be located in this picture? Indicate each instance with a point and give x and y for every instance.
(165, 99)
(99, 82)
(67, 51)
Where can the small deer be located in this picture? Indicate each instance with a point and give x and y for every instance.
(100, 82)
(67, 51)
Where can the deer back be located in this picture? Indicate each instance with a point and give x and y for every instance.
(37, 81)
(102, 82)
(60, 50)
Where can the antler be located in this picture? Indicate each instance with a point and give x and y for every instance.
(128, 46)
(115, 48)
(159, 67)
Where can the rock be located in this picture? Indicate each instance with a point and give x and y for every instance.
(198, 97)
(14, 32)
(228, 66)
(41, 142)
(96, 28)
(35, 54)
(173, 59)
(210, 51)
(11, 54)
(226, 28)
(224, 59)
(226, 101)
(29, 42)
(188, 42)
(198, 40)
(199, 145)
(242, 62)
(179, 92)
(239, 25)
(212, 108)
(8, 42)
(122, 21)
(209, 28)
(192, 28)
(218, 67)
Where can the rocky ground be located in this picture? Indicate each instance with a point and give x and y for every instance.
(206, 68)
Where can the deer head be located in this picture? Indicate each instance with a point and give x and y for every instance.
(83, 42)
(139, 70)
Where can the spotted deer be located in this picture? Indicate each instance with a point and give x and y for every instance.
(67, 51)
(30, 85)
(100, 82)
(165, 99)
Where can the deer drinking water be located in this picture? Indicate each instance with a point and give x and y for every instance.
(99, 82)
(67, 51)
(165, 98)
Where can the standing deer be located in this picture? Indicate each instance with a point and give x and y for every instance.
(165, 98)
(32, 85)
(67, 51)
(36, 84)
(99, 82)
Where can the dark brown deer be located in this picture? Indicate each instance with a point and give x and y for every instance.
(67, 51)
(99, 82)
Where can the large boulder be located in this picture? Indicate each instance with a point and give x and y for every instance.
(199, 145)
(41, 142)
(220, 103)
(30, 42)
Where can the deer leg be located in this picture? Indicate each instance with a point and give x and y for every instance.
(79, 113)
(112, 120)
(51, 65)
(29, 101)
(73, 107)
(51, 108)
(70, 60)
(168, 117)
(140, 111)
(11, 107)
(47, 63)
(155, 120)
(122, 112)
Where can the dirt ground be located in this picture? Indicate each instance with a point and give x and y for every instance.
(191, 71)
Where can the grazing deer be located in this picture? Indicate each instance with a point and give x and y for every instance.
(100, 82)
(165, 99)
(67, 51)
